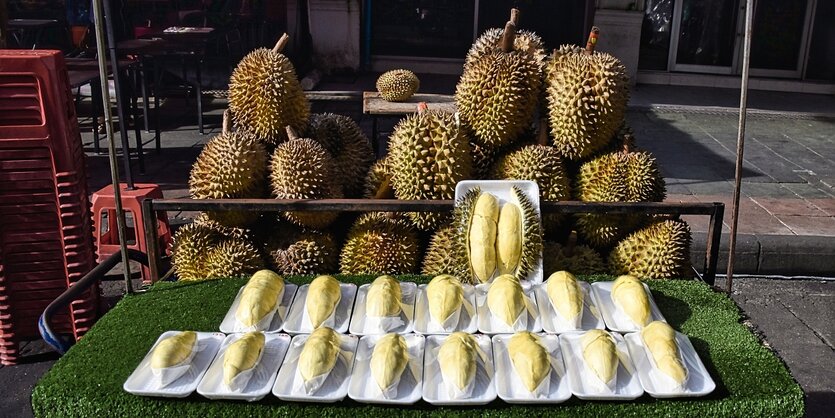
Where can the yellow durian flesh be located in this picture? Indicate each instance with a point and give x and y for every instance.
(242, 355)
(384, 297)
(505, 298)
(600, 355)
(260, 296)
(565, 294)
(509, 239)
(629, 294)
(481, 240)
(457, 359)
(660, 340)
(323, 296)
(388, 360)
(319, 353)
(173, 350)
(445, 295)
(530, 359)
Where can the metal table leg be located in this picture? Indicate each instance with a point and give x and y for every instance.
(199, 91)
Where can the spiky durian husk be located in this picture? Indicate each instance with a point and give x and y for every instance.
(429, 154)
(583, 260)
(397, 85)
(658, 251)
(231, 166)
(233, 258)
(526, 42)
(444, 255)
(222, 230)
(462, 217)
(484, 159)
(303, 169)
(587, 97)
(347, 144)
(189, 250)
(497, 96)
(294, 250)
(380, 244)
(531, 234)
(378, 180)
(265, 96)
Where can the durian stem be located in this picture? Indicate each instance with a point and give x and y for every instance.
(385, 191)
(627, 144)
(227, 122)
(422, 107)
(514, 16)
(282, 42)
(542, 138)
(291, 133)
(568, 251)
(592, 42)
(508, 37)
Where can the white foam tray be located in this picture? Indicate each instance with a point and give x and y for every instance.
(699, 382)
(358, 318)
(484, 391)
(142, 381)
(228, 324)
(363, 388)
(554, 323)
(616, 319)
(263, 376)
(332, 390)
(501, 189)
(510, 387)
(580, 377)
(466, 322)
(295, 323)
(485, 317)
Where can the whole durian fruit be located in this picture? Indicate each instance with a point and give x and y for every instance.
(265, 95)
(232, 165)
(190, 246)
(578, 259)
(380, 243)
(658, 251)
(233, 257)
(587, 95)
(397, 85)
(429, 155)
(378, 180)
(302, 169)
(444, 255)
(349, 147)
(293, 250)
(484, 158)
(525, 41)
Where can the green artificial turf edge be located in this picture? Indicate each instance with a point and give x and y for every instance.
(87, 381)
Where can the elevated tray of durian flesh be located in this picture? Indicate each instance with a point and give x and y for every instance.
(317, 367)
(626, 304)
(529, 368)
(500, 228)
(325, 302)
(388, 369)
(261, 304)
(599, 366)
(667, 363)
(383, 306)
(458, 370)
(567, 304)
(506, 306)
(246, 366)
(174, 365)
(444, 306)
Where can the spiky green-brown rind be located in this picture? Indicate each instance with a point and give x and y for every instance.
(497, 96)
(231, 166)
(445, 255)
(658, 251)
(379, 243)
(190, 246)
(462, 217)
(225, 231)
(525, 42)
(378, 180)
(484, 159)
(587, 97)
(397, 85)
(292, 250)
(265, 96)
(233, 258)
(429, 154)
(583, 260)
(531, 233)
(349, 147)
(302, 169)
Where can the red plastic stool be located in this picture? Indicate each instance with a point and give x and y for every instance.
(106, 231)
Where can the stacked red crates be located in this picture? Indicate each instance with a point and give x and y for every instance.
(45, 224)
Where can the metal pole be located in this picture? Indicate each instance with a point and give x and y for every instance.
(117, 86)
(111, 148)
(740, 139)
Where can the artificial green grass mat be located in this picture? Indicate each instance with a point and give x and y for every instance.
(87, 381)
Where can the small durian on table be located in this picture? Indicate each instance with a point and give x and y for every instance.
(629, 295)
(600, 355)
(660, 340)
(323, 296)
(530, 359)
(319, 354)
(173, 350)
(506, 300)
(242, 355)
(388, 361)
(259, 297)
(566, 296)
(457, 358)
(445, 295)
(384, 297)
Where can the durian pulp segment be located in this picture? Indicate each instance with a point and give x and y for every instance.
(173, 350)
(457, 359)
(600, 355)
(445, 295)
(482, 237)
(660, 339)
(319, 353)
(384, 297)
(242, 355)
(323, 296)
(389, 359)
(530, 359)
(509, 239)
(565, 294)
(505, 299)
(629, 294)
(260, 296)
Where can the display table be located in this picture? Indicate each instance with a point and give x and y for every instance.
(374, 105)
(87, 381)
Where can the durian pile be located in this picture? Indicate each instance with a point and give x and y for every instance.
(557, 119)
